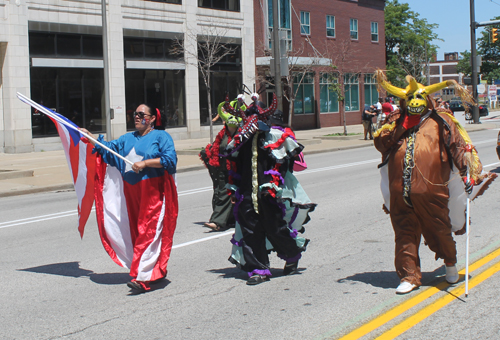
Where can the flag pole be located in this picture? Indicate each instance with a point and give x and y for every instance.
(467, 214)
(51, 114)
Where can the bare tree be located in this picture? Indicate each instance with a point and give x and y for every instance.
(299, 65)
(414, 63)
(211, 45)
(342, 55)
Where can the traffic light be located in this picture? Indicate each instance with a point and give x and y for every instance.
(494, 35)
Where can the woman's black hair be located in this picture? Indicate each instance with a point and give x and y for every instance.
(159, 123)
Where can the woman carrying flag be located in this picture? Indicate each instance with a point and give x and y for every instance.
(136, 205)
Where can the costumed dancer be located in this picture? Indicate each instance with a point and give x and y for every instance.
(238, 103)
(222, 217)
(270, 207)
(137, 205)
(426, 157)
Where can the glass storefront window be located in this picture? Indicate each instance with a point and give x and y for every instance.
(328, 98)
(351, 92)
(304, 94)
(371, 92)
(72, 92)
(158, 88)
(227, 5)
(65, 45)
(148, 49)
(221, 82)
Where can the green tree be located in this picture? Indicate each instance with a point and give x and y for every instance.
(464, 65)
(490, 54)
(408, 43)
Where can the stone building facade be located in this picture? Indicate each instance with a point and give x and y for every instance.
(51, 50)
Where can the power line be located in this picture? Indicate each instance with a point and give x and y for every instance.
(496, 3)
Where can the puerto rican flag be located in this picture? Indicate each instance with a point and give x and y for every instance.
(81, 163)
(136, 220)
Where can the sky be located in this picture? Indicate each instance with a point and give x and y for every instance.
(453, 18)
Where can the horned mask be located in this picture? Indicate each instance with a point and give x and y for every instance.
(416, 95)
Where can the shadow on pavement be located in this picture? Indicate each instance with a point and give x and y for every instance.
(72, 269)
(390, 280)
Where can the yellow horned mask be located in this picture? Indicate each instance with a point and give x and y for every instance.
(416, 94)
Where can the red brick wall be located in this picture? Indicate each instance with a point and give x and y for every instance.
(364, 56)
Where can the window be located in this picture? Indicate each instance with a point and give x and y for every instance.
(178, 2)
(63, 45)
(371, 92)
(328, 99)
(225, 5)
(375, 31)
(305, 26)
(163, 89)
(351, 92)
(303, 86)
(75, 93)
(330, 26)
(353, 24)
(285, 23)
(225, 76)
(148, 49)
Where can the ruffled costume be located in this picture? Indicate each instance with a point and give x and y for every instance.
(271, 206)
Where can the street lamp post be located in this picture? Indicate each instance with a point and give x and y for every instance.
(277, 55)
(475, 109)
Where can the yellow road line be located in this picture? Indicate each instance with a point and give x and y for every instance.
(412, 302)
(437, 305)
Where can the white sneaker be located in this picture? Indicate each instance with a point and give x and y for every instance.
(452, 274)
(405, 287)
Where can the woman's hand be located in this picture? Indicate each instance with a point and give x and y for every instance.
(138, 166)
(88, 133)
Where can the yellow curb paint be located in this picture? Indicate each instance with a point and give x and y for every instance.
(412, 302)
(437, 305)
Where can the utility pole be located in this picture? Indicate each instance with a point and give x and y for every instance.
(107, 110)
(475, 109)
(277, 55)
(427, 71)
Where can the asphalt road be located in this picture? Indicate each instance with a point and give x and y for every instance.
(56, 285)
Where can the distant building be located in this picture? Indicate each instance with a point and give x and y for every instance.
(445, 70)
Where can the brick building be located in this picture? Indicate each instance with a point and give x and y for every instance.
(316, 34)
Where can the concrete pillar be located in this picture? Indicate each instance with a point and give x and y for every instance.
(15, 77)
(191, 77)
(116, 67)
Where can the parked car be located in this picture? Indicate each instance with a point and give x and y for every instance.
(456, 105)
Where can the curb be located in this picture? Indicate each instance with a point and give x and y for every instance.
(58, 187)
(69, 186)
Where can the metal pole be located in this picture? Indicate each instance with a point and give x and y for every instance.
(427, 70)
(277, 56)
(475, 109)
(109, 135)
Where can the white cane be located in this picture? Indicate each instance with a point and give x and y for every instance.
(467, 212)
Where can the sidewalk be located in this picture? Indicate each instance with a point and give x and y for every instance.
(48, 171)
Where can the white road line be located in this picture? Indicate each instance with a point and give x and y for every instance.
(377, 160)
(202, 239)
(199, 190)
